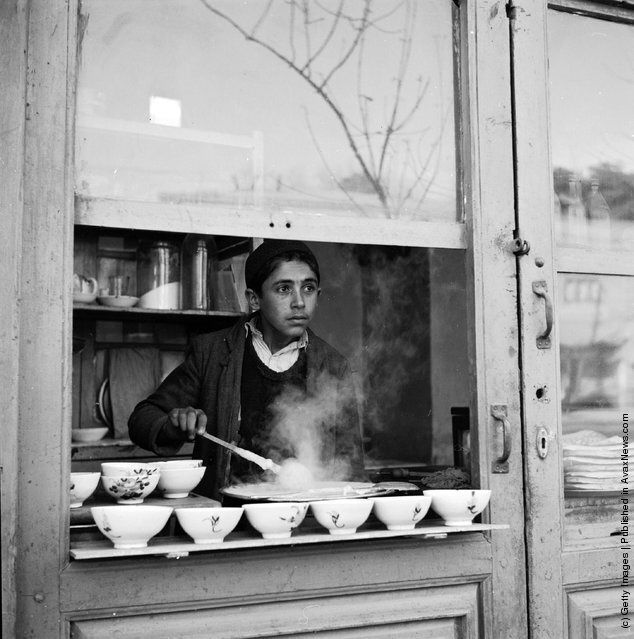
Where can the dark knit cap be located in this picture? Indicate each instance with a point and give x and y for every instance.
(269, 250)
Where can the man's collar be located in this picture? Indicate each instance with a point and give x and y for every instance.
(252, 325)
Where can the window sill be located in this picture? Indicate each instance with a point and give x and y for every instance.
(177, 547)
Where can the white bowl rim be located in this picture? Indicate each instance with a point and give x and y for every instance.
(440, 491)
(84, 473)
(129, 464)
(169, 471)
(131, 508)
(341, 502)
(273, 505)
(120, 477)
(400, 498)
(205, 509)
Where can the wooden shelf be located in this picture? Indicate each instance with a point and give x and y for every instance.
(144, 314)
(176, 547)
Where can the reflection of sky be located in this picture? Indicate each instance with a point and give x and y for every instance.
(591, 91)
(179, 50)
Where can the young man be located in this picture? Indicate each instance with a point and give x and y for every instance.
(234, 382)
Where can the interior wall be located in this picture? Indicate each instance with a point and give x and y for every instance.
(450, 381)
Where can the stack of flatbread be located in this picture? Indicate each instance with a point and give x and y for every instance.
(592, 461)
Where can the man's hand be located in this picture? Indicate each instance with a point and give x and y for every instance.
(188, 422)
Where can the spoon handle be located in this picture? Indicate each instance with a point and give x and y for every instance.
(262, 462)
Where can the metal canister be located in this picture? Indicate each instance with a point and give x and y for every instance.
(199, 269)
(158, 274)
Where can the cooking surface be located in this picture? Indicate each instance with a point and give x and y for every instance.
(320, 491)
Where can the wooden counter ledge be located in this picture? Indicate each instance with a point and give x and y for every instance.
(175, 547)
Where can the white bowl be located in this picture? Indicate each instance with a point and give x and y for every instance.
(118, 301)
(89, 434)
(130, 489)
(179, 463)
(130, 526)
(118, 469)
(208, 525)
(401, 513)
(84, 298)
(341, 516)
(177, 482)
(82, 486)
(275, 520)
(458, 507)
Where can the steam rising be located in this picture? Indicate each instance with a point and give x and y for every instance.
(302, 427)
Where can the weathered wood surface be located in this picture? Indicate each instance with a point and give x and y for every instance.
(13, 29)
(436, 612)
(595, 613)
(534, 203)
(178, 546)
(193, 218)
(488, 168)
(96, 588)
(563, 550)
(45, 323)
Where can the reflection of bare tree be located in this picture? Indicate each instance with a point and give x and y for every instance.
(394, 163)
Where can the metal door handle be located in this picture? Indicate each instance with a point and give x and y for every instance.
(500, 413)
(540, 288)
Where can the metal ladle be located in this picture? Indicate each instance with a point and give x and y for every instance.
(262, 462)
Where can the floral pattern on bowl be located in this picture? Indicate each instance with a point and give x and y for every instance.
(296, 516)
(130, 489)
(401, 512)
(130, 526)
(208, 525)
(275, 520)
(129, 469)
(342, 516)
(458, 507)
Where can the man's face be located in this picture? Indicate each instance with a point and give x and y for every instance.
(287, 303)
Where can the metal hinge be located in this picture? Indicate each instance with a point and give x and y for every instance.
(520, 246)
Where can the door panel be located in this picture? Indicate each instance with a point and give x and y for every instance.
(449, 612)
(591, 615)
(576, 207)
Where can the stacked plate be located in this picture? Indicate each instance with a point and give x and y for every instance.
(592, 462)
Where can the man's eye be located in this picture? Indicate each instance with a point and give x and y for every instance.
(283, 289)
(310, 288)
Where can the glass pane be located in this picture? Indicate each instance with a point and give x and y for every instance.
(408, 347)
(592, 134)
(318, 107)
(596, 327)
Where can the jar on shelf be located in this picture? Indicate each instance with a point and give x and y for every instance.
(159, 274)
(199, 256)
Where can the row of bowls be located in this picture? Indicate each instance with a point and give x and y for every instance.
(133, 527)
(131, 483)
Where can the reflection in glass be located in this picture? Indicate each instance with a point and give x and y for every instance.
(596, 321)
(592, 123)
(338, 108)
(399, 316)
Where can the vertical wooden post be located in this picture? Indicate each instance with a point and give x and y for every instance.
(13, 31)
(44, 323)
(539, 366)
(493, 296)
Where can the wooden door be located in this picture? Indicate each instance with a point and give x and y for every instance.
(472, 585)
(573, 70)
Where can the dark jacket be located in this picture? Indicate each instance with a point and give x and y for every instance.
(209, 379)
